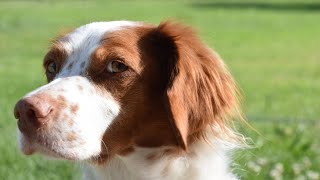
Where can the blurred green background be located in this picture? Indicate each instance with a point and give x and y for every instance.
(271, 47)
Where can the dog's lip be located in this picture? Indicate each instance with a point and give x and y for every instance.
(28, 150)
(31, 144)
(26, 147)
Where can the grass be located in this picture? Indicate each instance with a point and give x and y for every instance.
(271, 48)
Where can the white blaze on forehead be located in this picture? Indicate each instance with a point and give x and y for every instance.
(80, 44)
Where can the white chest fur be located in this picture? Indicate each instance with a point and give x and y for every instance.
(202, 162)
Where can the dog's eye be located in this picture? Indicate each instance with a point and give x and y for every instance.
(52, 68)
(116, 67)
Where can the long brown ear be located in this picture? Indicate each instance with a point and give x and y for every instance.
(199, 91)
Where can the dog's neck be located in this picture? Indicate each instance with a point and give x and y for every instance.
(202, 161)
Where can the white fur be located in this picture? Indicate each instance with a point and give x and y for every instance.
(94, 115)
(203, 162)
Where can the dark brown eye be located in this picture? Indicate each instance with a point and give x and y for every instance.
(52, 68)
(116, 67)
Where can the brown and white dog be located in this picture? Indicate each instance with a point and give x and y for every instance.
(134, 101)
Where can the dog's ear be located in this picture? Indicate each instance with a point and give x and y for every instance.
(198, 90)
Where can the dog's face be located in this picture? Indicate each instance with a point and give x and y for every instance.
(116, 85)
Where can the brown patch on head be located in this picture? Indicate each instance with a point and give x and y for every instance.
(56, 54)
(116, 46)
(145, 121)
(174, 89)
(74, 108)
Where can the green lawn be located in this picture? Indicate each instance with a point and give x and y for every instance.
(272, 49)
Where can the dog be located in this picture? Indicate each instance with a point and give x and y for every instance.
(133, 101)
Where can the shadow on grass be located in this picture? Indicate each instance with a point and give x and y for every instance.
(295, 6)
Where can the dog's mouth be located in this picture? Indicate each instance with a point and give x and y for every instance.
(26, 146)
(58, 146)
(34, 144)
(30, 146)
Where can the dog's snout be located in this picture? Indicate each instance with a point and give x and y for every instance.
(32, 112)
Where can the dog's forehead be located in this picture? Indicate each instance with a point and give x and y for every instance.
(83, 41)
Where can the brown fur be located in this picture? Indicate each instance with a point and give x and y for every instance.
(56, 54)
(174, 90)
(201, 91)
(143, 120)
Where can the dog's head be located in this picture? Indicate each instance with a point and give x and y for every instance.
(113, 86)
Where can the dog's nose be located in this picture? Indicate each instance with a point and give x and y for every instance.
(32, 112)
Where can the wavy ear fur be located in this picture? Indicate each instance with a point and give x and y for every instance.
(199, 91)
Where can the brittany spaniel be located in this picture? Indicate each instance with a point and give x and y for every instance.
(133, 101)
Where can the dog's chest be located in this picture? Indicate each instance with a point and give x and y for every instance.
(203, 165)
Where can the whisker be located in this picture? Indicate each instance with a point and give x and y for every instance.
(105, 146)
